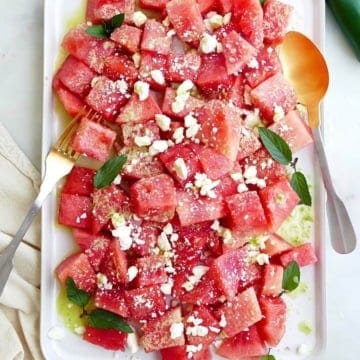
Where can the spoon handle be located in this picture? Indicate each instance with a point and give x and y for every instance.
(342, 234)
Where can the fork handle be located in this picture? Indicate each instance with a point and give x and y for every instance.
(6, 256)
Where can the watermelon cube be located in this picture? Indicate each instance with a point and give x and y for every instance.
(185, 17)
(89, 49)
(184, 152)
(294, 130)
(78, 268)
(120, 67)
(99, 10)
(246, 344)
(180, 353)
(154, 38)
(274, 95)
(240, 312)
(232, 271)
(215, 165)
(278, 200)
(75, 211)
(107, 96)
(154, 198)
(93, 139)
(80, 181)
(277, 17)
(115, 264)
(153, 4)
(272, 325)
(248, 20)
(153, 62)
(192, 209)
(136, 111)
(183, 66)
(145, 303)
(248, 144)
(157, 334)
(75, 76)
(247, 213)
(304, 255)
(275, 245)
(237, 52)
(128, 37)
(106, 202)
(220, 128)
(71, 102)
(148, 129)
(111, 300)
(151, 271)
(109, 339)
(272, 280)
(207, 5)
(212, 76)
(94, 246)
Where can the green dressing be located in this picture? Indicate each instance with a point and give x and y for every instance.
(305, 328)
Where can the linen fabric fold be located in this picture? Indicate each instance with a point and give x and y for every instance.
(20, 301)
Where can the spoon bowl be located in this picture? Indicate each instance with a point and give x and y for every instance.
(305, 68)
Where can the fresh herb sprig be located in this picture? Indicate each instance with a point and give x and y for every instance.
(105, 29)
(108, 172)
(281, 152)
(268, 357)
(97, 318)
(291, 276)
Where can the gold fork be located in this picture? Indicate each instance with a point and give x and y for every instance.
(59, 162)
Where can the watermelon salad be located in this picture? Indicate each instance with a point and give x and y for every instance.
(178, 250)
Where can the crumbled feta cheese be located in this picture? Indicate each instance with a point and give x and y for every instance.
(142, 140)
(56, 333)
(227, 18)
(214, 329)
(163, 122)
(262, 259)
(103, 282)
(198, 272)
(184, 87)
(139, 18)
(190, 120)
(242, 188)
(278, 113)
(191, 349)
(158, 146)
(215, 20)
(251, 178)
(208, 43)
(237, 176)
(178, 135)
(250, 172)
(166, 22)
(79, 330)
(117, 180)
(197, 330)
(171, 33)
(132, 342)
(303, 349)
(157, 76)
(179, 103)
(167, 287)
(123, 231)
(206, 185)
(122, 86)
(253, 63)
(136, 59)
(176, 330)
(132, 272)
(163, 242)
(223, 321)
(180, 168)
(168, 229)
(192, 126)
(142, 89)
(215, 225)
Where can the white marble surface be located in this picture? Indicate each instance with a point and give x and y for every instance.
(20, 112)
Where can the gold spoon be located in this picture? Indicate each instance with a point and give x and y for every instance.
(305, 67)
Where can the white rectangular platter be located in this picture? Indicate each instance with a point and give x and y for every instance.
(57, 242)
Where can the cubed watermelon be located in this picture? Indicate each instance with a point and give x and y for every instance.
(183, 66)
(79, 181)
(99, 10)
(248, 144)
(153, 4)
(304, 255)
(131, 133)
(71, 102)
(272, 280)
(120, 67)
(78, 268)
(151, 62)
(240, 312)
(154, 38)
(109, 339)
(154, 198)
(128, 37)
(214, 164)
(151, 271)
(275, 245)
(111, 300)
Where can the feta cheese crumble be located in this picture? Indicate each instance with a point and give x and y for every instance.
(180, 168)
(157, 76)
(142, 140)
(197, 273)
(139, 18)
(103, 282)
(163, 122)
(205, 185)
(208, 43)
(142, 89)
(176, 330)
(56, 333)
(157, 147)
(132, 272)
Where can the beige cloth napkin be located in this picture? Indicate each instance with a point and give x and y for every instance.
(20, 301)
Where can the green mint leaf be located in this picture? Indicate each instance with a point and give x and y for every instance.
(76, 295)
(291, 277)
(103, 319)
(97, 31)
(276, 146)
(117, 20)
(108, 172)
(268, 357)
(299, 184)
(262, 2)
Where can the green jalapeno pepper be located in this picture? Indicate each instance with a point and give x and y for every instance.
(347, 14)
